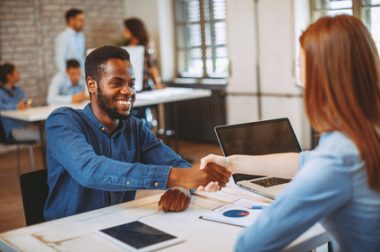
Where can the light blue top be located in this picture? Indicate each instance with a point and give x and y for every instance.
(69, 44)
(9, 99)
(331, 188)
(61, 89)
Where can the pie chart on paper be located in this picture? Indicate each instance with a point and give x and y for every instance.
(236, 213)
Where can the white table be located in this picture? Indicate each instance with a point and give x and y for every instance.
(76, 233)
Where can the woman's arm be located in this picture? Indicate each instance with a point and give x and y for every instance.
(282, 165)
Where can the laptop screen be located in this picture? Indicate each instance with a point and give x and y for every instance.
(258, 138)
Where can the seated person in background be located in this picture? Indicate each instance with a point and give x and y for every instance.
(68, 87)
(13, 97)
(100, 155)
(338, 183)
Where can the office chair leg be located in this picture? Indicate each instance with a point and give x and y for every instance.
(31, 156)
(18, 160)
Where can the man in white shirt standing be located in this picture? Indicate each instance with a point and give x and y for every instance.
(70, 44)
(68, 87)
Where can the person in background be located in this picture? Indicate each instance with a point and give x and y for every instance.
(135, 34)
(13, 97)
(101, 155)
(337, 183)
(70, 44)
(68, 87)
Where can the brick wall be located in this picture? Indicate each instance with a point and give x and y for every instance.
(28, 29)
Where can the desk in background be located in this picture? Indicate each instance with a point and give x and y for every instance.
(146, 98)
(76, 233)
(39, 114)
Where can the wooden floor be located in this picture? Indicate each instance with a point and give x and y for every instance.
(11, 211)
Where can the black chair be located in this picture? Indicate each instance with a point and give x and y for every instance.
(34, 192)
(29, 143)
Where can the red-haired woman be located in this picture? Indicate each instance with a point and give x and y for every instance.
(338, 183)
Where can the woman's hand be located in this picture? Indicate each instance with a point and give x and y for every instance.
(219, 160)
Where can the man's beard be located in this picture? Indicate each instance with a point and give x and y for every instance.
(111, 112)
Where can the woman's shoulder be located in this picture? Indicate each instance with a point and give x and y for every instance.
(338, 148)
(336, 140)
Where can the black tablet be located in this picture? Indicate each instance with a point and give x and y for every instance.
(138, 236)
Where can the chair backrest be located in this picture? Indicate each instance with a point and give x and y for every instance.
(34, 191)
(3, 139)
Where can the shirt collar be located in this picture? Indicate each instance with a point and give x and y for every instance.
(91, 116)
(71, 30)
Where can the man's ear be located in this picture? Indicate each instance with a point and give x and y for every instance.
(91, 85)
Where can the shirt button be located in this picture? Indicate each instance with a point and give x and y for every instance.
(156, 184)
(128, 182)
(103, 129)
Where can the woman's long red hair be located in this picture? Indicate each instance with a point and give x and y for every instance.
(342, 90)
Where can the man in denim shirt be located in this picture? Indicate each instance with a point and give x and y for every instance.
(99, 156)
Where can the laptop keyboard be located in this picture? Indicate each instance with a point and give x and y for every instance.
(267, 182)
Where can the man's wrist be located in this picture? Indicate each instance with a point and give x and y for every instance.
(181, 189)
(173, 177)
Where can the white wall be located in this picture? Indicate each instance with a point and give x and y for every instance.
(262, 50)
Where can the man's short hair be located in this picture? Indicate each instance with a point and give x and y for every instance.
(72, 63)
(95, 60)
(72, 13)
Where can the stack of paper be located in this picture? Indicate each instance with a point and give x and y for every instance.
(240, 213)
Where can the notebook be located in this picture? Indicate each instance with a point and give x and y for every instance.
(259, 138)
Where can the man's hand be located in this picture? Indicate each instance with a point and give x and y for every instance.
(192, 178)
(175, 199)
(219, 160)
(79, 97)
(22, 105)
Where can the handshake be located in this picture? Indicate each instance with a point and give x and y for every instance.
(208, 175)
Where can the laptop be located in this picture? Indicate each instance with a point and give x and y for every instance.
(136, 54)
(258, 138)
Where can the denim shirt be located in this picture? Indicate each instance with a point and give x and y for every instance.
(9, 101)
(331, 188)
(88, 168)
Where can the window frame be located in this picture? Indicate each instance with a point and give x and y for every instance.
(203, 46)
(357, 7)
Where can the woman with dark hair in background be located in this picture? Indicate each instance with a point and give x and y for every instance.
(13, 97)
(337, 183)
(135, 34)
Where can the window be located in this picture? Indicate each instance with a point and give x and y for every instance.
(201, 38)
(367, 10)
